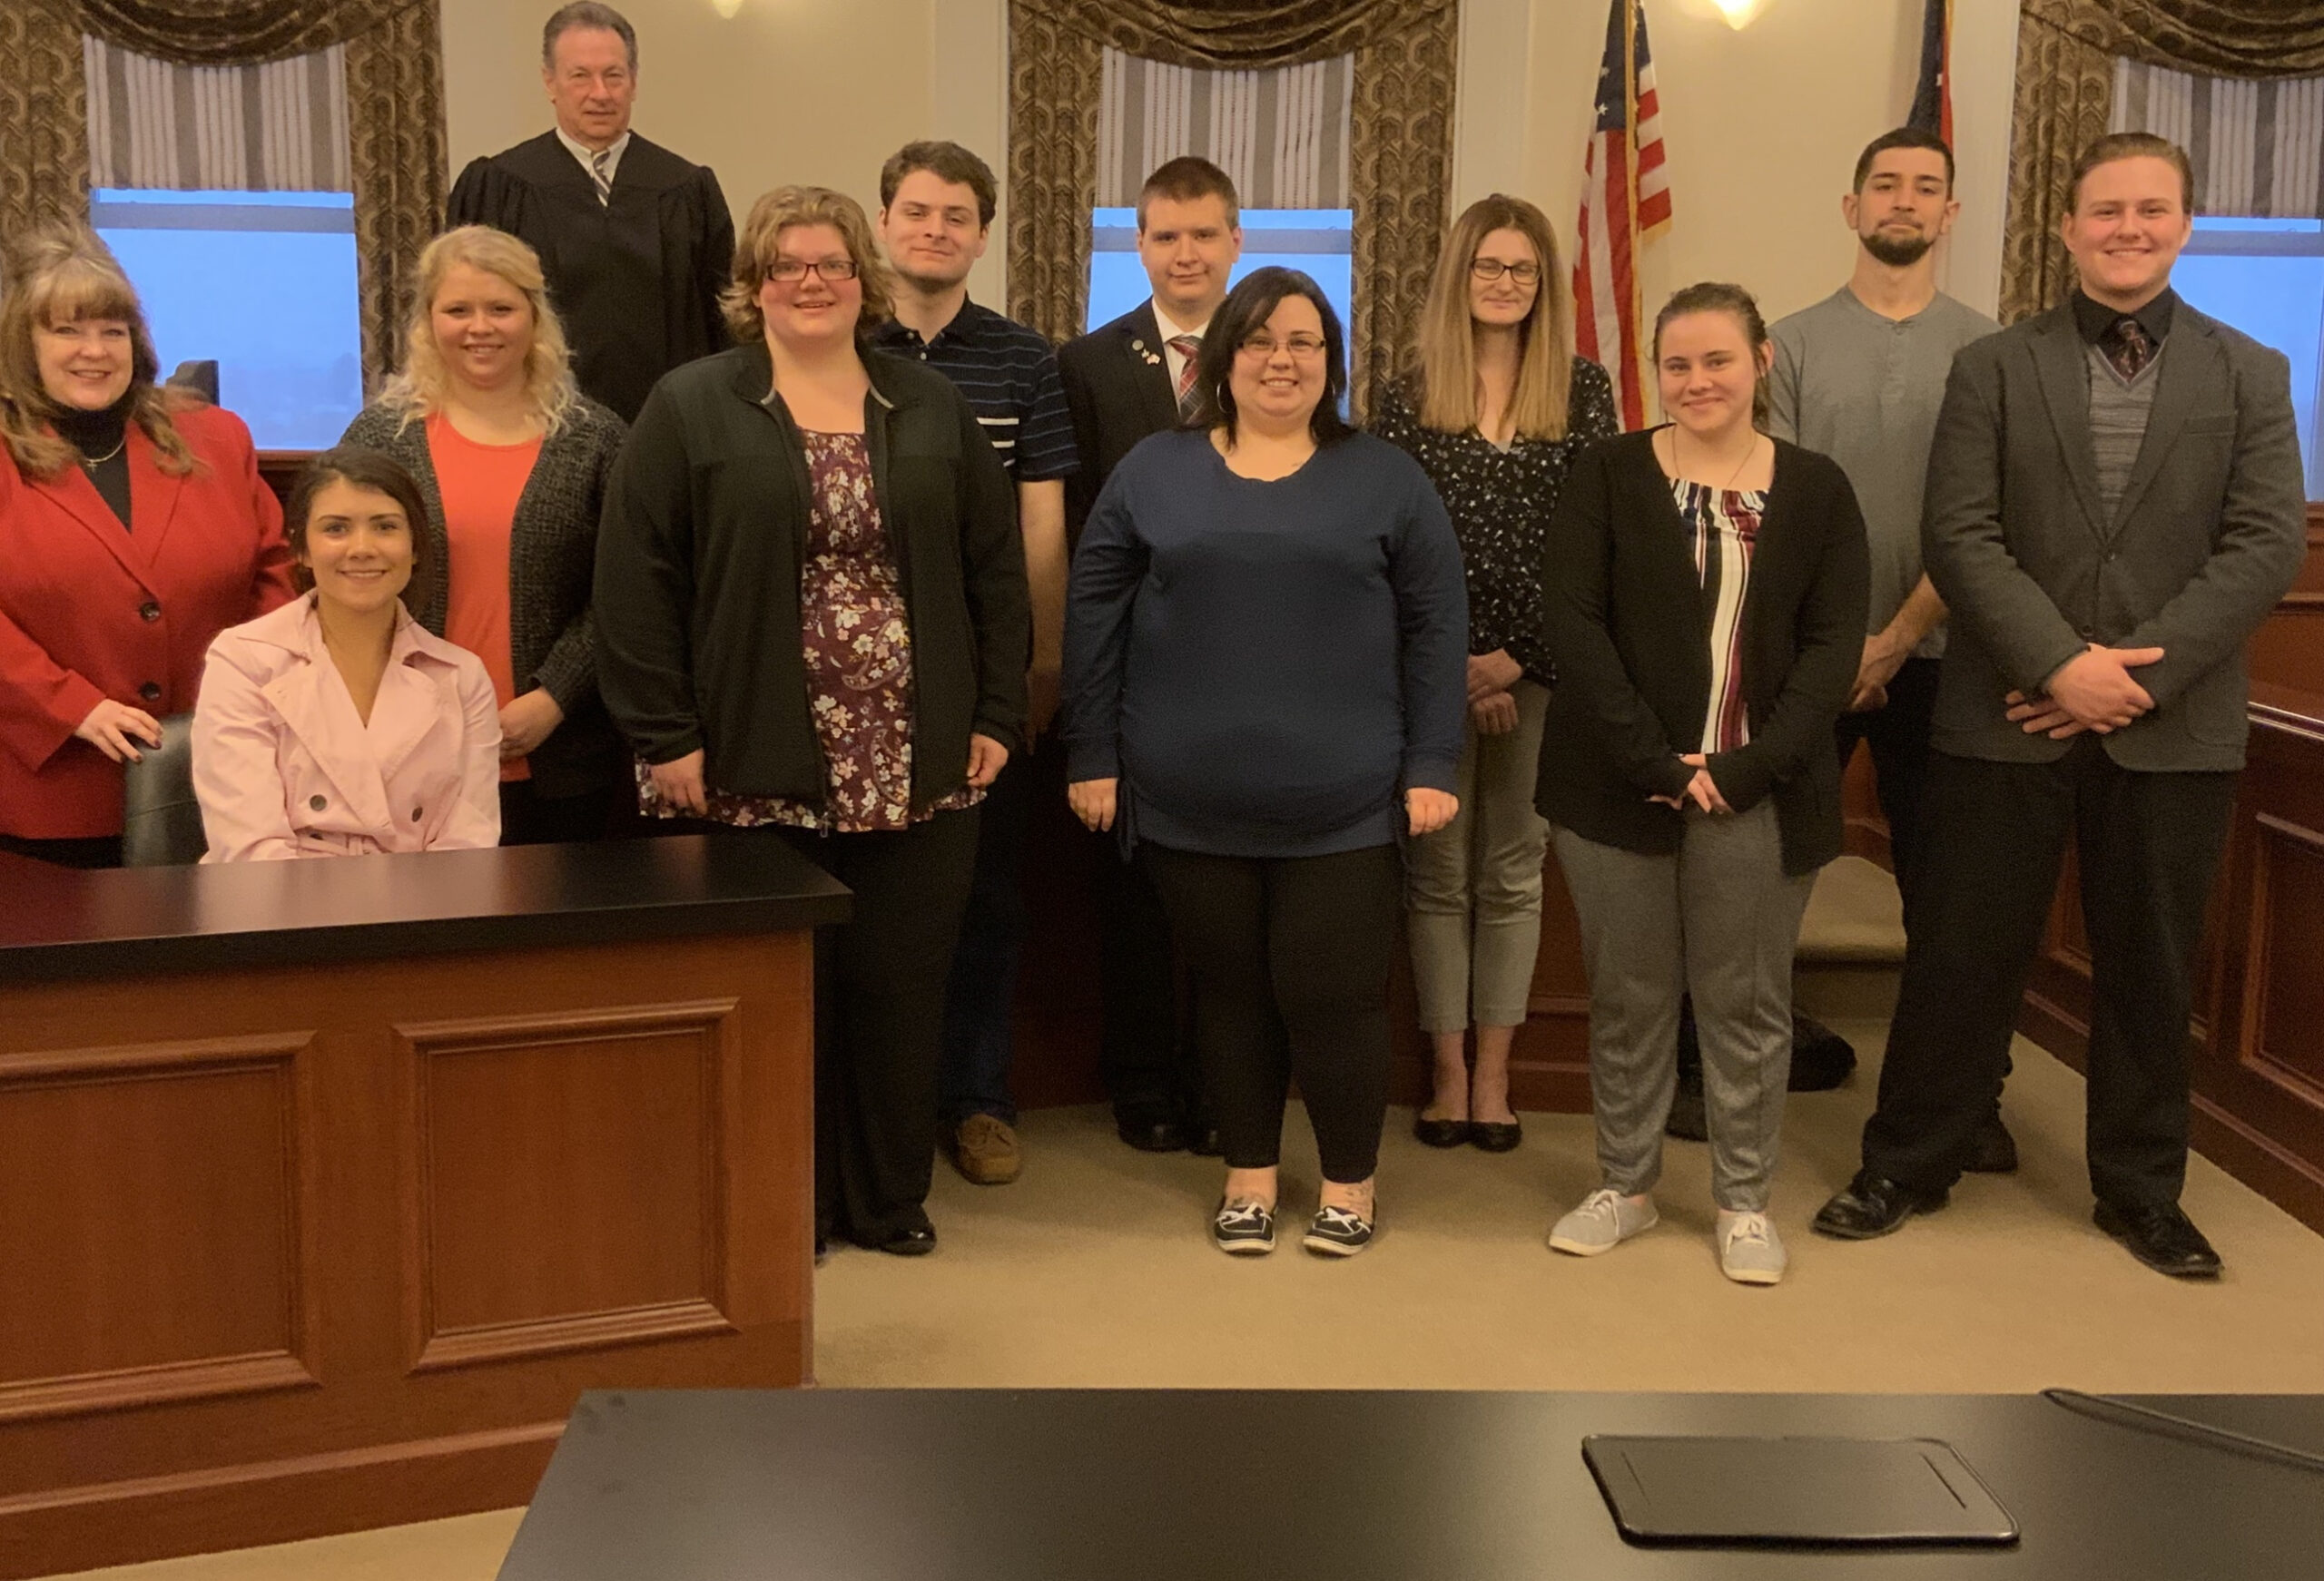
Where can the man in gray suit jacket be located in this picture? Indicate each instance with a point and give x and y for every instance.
(2114, 503)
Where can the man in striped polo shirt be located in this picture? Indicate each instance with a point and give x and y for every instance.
(935, 209)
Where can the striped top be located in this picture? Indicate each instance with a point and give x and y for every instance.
(1008, 374)
(1722, 529)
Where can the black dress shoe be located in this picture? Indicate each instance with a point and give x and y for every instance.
(1994, 1150)
(1151, 1133)
(2162, 1238)
(916, 1242)
(1873, 1206)
(1430, 1132)
(1496, 1135)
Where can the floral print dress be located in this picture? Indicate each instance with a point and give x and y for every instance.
(855, 636)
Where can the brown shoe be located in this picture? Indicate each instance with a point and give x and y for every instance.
(984, 1149)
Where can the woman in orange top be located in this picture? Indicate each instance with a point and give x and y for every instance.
(132, 532)
(511, 462)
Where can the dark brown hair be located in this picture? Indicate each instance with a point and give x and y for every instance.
(361, 468)
(1718, 296)
(947, 162)
(1185, 179)
(1902, 137)
(587, 13)
(1244, 312)
(2117, 146)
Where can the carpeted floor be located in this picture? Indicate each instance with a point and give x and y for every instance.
(1095, 1270)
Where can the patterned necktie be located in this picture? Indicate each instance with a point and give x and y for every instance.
(599, 173)
(1188, 346)
(2127, 348)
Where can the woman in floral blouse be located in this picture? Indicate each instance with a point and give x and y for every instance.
(813, 618)
(1496, 412)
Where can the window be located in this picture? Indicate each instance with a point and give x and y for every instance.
(2266, 277)
(261, 283)
(1317, 241)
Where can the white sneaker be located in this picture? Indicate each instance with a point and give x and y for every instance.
(1749, 1251)
(1604, 1221)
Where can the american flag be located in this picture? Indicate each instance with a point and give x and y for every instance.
(1625, 201)
(1932, 96)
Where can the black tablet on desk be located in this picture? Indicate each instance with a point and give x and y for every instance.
(1814, 1492)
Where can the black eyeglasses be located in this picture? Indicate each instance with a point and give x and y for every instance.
(791, 271)
(1492, 269)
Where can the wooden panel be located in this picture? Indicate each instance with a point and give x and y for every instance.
(584, 1101)
(2283, 1031)
(567, 1171)
(155, 1245)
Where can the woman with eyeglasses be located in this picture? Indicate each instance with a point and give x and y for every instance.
(1264, 684)
(812, 619)
(1495, 410)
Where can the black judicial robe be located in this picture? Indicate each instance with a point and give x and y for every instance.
(636, 281)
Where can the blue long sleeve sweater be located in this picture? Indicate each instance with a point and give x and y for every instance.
(1265, 667)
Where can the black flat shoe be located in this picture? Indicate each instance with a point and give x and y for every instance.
(1994, 1151)
(1873, 1206)
(1150, 1133)
(1496, 1135)
(1439, 1133)
(918, 1241)
(2163, 1238)
(1203, 1142)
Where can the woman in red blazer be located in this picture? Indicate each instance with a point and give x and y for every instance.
(132, 531)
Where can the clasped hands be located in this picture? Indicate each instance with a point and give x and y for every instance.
(1492, 708)
(2090, 691)
(1702, 790)
(1094, 803)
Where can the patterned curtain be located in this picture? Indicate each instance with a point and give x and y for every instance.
(2066, 56)
(277, 128)
(1400, 138)
(2257, 146)
(394, 88)
(1281, 135)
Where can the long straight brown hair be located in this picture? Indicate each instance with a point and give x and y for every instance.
(1446, 344)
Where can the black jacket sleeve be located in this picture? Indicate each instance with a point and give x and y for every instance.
(645, 592)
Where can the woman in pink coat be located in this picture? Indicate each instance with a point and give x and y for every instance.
(337, 725)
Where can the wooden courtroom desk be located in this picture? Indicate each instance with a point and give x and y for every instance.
(1195, 1484)
(326, 1187)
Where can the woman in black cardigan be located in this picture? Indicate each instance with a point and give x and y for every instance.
(511, 460)
(812, 617)
(1705, 589)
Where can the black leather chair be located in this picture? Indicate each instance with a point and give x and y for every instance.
(160, 820)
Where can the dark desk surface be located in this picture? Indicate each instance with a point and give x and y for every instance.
(61, 923)
(1201, 1486)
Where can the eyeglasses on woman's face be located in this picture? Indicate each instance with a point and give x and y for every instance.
(791, 271)
(1492, 269)
(1306, 347)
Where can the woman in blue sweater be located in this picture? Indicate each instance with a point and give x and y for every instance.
(1266, 678)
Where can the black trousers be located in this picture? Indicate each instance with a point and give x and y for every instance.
(1147, 1067)
(1290, 966)
(879, 1015)
(1898, 735)
(2148, 846)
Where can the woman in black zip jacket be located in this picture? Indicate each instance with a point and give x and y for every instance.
(813, 618)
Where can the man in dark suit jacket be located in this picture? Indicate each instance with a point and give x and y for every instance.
(636, 242)
(1124, 381)
(2114, 503)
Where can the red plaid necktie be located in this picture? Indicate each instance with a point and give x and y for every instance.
(1188, 346)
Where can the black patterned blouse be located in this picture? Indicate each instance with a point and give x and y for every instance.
(1501, 502)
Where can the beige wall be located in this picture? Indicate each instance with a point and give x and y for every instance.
(1762, 125)
(817, 90)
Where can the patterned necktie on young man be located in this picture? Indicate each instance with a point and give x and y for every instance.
(2128, 348)
(1188, 346)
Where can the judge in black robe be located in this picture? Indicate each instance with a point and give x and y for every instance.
(636, 279)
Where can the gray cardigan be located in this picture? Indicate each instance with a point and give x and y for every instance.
(552, 552)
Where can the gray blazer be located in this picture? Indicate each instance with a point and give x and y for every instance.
(2209, 536)
(552, 556)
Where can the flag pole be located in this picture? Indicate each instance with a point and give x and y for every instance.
(1640, 364)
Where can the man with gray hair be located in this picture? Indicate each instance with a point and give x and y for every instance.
(636, 242)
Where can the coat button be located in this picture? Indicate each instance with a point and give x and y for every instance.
(415, 815)
(149, 609)
(150, 691)
(317, 802)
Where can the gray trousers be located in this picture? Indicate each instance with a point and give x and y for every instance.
(1474, 887)
(1718, 920)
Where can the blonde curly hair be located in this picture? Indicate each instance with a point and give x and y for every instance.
(419, 389)
(761, 233)
(63, 274)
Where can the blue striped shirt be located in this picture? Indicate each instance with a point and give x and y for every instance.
(1008, 374)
